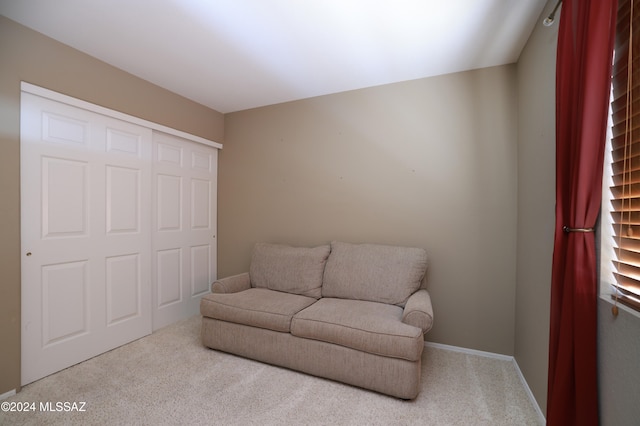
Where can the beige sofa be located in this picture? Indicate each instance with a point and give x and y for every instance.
(355, 313)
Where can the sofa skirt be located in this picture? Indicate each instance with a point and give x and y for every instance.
(392, 376)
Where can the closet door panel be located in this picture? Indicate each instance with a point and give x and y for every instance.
(65, 306)
(86, 245)
(202, 232)
(65, 201)
(124, 288)
(201, 204)
(169, 203)
(201, 269)
(123, 200)
(127, 228)
(169, 277)
(185, 179)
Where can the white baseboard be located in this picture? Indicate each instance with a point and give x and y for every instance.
(469, 351)
(527, 389)
(8, 394)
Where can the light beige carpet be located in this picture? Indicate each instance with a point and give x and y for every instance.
(169, 378)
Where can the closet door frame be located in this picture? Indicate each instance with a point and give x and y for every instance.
(55, 96)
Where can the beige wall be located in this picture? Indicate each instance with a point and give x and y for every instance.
(428, 163)
(618, 370)
(29, 56)
(536, 203)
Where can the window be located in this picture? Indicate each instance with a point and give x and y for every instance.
(621, 198)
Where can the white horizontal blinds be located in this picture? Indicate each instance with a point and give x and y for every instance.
(625, 210)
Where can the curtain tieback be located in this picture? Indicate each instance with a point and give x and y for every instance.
(566, 229)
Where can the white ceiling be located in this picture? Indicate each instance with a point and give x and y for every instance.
(237, 54)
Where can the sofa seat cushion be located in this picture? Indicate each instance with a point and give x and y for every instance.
(296, 270)
(371, 327)
(257, 307)
(373, 272)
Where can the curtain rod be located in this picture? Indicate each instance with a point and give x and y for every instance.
(548, 21)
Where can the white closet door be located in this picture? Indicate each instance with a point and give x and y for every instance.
(85, 205)
(184, 223)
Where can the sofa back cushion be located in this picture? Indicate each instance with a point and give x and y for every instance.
(296, 270)
(377, 273)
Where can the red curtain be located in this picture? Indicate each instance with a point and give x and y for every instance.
(583, 78)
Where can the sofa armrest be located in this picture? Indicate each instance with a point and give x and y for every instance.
(232, 284)
(418, 311)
